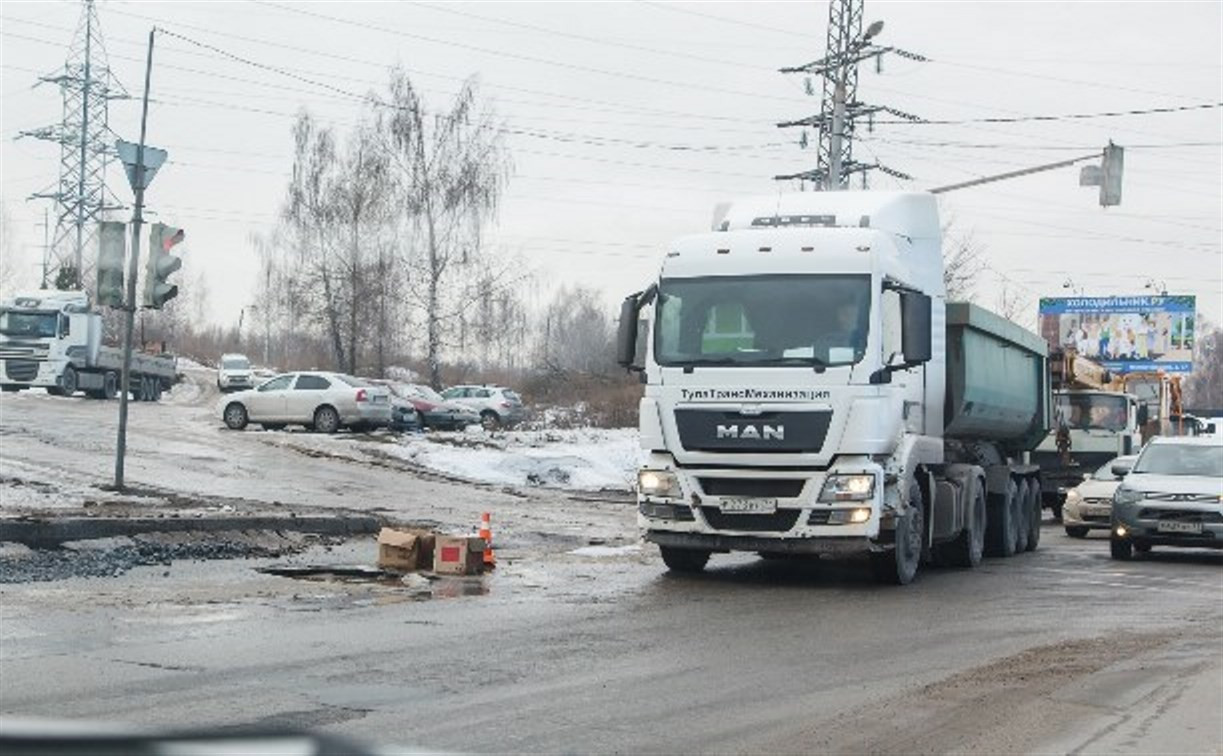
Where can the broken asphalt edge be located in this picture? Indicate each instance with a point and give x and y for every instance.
(53, 532)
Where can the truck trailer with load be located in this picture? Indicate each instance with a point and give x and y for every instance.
(53, 340)
(808, 390)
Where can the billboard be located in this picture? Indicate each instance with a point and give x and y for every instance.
(1124, 334)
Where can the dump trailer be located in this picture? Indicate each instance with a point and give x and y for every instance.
(808, 390)
(53, 340)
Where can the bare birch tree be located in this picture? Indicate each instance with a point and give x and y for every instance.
(451, 169)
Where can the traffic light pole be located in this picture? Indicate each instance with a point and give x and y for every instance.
(129, 310)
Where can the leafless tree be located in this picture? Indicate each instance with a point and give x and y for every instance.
(1013, 303)
(450, 170)
(1203, 389)
(10, 271)
(576, 334)
(962, 263)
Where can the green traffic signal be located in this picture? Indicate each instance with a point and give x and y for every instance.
(111, 253)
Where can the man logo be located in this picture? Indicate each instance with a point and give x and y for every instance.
(752, 433)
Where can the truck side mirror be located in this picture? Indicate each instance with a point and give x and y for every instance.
(626, 335)
(915, 337)
(64, 326)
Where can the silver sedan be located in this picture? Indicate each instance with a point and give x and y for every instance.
(324, 402)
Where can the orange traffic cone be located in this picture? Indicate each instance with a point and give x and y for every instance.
(486, 532)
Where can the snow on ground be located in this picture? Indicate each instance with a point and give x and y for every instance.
(585, 459)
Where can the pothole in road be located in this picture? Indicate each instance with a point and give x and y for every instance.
(414, 586)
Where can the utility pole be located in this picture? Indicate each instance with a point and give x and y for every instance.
(129, 310)
(840, 110)
(80, 196)
(46, 247)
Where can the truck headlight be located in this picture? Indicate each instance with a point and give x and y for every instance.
(661, 483)
(848, 488)
(855, 516)
(1125, 495)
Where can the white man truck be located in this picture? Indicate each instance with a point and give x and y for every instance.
(772, 422)
(53, 340)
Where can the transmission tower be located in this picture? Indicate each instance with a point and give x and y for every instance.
(80, 196)
(840, 109)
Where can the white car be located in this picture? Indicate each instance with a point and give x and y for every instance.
(325, 402)
(1089, 505)
(235, 373)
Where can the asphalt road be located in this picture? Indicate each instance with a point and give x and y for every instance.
(1059, 650)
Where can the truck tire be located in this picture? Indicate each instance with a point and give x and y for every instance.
(235, 416)
(326, 419)
(156, 384)
(110, 385)
(68, 382)
(899, 566)
(684, 560)
(1022, 517)
(1037, 513)
(969, 546)
(1000, 536)
(10, 388)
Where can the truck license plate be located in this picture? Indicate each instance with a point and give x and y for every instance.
(749, 506)
(1173, 526)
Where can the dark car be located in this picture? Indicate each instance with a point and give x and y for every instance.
(416, 407)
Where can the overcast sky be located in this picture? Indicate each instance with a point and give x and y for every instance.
(644, 115)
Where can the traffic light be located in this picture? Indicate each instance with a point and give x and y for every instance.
(157, 291)
(111, 253)
(1110, 180)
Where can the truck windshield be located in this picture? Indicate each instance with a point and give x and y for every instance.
(1091, 411)
(35, 324)
(739, 321)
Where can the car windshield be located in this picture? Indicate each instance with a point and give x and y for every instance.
(424, 392)
(1182, 459)
(236, 363)
(36, 324)
(816, 320)
(1083, 411)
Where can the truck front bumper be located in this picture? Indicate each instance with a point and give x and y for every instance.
(825, 546)
(38, 373)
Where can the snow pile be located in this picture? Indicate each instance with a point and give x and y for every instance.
(586, 459)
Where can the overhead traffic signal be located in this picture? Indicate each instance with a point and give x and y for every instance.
(1110, 179)
(112, 249)
(158, 291)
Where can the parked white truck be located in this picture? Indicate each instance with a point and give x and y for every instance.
(53, 340)
(810, 391)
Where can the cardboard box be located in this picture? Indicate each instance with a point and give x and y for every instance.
(405, 550)
(458, 555)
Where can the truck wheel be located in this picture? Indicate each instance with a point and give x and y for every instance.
(899, 566)
(1121, 548)
(326, 419)
(1000, 534)
(110, 385)
(1057, 511)
(10, 388)
(1022, 517)
(684, 560)
(68, 381)
(155, 383)
(1036, 512)
(969, 546)
(235, 416)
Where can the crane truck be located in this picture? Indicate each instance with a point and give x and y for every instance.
(809, 390)
(53, 340)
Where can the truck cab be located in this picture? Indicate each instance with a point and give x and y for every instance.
(42, 333)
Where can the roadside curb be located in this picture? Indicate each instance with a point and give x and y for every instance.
(53, 532)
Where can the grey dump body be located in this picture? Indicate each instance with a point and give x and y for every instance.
(997, 381)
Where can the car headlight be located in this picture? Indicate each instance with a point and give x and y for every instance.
(1125, 495)
(1073, 496)
(848, 488)
(661, 483)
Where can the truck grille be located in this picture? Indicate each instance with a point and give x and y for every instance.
(781, 489)
(778, 522)
(1180, 515)
(786, 432)
(21, 370)
(16, 350)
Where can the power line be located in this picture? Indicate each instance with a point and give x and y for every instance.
(1061, 117)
